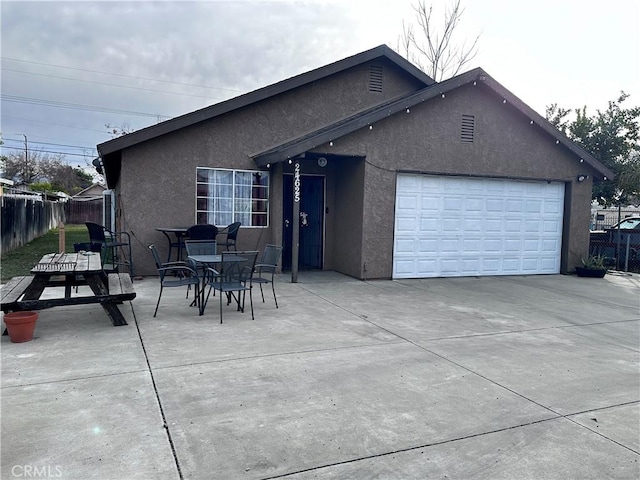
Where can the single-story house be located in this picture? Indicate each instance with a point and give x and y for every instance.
(368, 167)
(92, 192)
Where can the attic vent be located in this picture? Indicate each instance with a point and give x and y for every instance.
(467, 128)
(375, 78)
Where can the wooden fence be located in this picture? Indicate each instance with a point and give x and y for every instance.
(25, 218)
(77, 212)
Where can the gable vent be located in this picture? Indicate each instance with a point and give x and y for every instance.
(467, 128)
(375, 78)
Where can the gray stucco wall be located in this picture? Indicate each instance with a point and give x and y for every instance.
(157, 182)
(428, 140)
(157, 179)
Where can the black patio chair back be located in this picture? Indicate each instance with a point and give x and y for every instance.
(232, 235)
(233, 278)
(176, 274)
(202, 232)
(200, 247)
(265, 269)
(114, 247)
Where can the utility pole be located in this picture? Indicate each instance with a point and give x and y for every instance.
(26, 160)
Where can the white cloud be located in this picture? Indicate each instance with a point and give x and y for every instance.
(571, 52)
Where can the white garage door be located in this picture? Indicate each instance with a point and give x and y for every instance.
(458, 226)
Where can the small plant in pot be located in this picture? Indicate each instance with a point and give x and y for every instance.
(592, 266)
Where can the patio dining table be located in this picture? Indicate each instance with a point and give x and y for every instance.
(210, 261)
(180, 233)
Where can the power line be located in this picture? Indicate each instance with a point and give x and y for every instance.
(48, 143)
(50, 151)
(110, 84)
(120, 75)
(76, 106)
(55, 124)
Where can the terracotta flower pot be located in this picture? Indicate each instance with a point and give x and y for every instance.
(20, 325)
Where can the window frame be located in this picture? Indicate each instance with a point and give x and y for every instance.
(233, 199)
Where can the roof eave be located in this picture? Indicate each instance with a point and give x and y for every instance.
(240, 101)
(548, 127)
(297, 146)
(355, 122)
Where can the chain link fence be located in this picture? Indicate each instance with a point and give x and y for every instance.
(620, 246)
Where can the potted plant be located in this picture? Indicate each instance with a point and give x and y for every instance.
(592, 266)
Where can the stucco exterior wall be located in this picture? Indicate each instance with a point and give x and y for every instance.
(158, 177)
(427, 140)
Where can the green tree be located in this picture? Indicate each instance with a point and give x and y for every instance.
(45, 171)
(612, 136)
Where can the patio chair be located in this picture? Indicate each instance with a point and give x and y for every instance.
(176, 274)
(115, 247)
(200, 247)
(202, 232)
(265, 269)
(233, 279)
(231, 232)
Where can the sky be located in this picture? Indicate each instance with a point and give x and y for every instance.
(69, 69)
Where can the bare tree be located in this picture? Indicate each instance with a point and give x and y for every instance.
(432, 48)
(116, 132)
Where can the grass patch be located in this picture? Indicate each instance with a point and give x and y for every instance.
(22, 259)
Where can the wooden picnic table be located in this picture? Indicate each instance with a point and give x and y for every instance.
(69, 270)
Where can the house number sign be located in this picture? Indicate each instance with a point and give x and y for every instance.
(296, 183)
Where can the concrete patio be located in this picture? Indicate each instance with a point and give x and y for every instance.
(467, 378)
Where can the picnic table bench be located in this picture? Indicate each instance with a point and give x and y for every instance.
(68, 271)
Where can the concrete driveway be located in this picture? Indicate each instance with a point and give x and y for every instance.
(468, 378)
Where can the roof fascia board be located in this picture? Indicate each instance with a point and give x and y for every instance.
(547, 126)
(355, 122)
(240, 101)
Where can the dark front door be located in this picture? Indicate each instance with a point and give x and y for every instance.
(311, 222)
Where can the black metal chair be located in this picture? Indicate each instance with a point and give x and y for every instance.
(265, 269)
(231, 232)
(200, 247)
(176, 274)
(202, 232)
(233, 279)
(115, 247)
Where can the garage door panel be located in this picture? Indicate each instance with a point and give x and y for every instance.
(494, 205)
(552, 226)
(553, 207)
(492, 225)
(474, 204)
(428, 248)
(429, 203)
(532, 226)
(406, 203)
(513, 205)
(427, 268)
(492, 246)
(450, 225)
(472, 225)
(513, 225)
(429, 225)
(405, 246)
(550, 245)
(456, 226)
(453, 204)
(531, 245)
